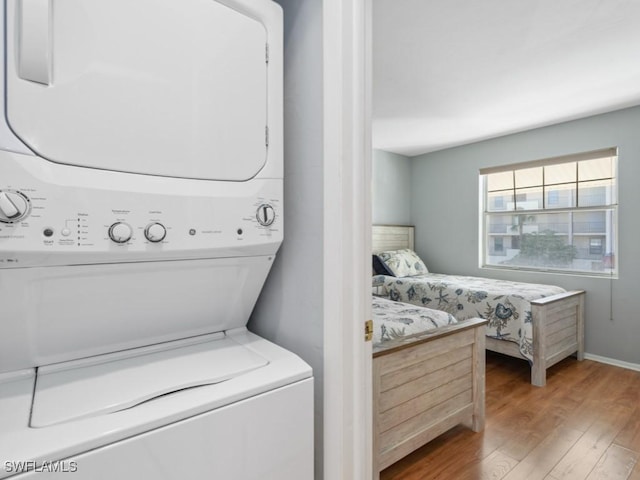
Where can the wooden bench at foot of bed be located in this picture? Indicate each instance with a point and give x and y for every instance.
(558, 331)
(424, 385)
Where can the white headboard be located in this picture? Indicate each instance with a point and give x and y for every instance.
(391, 237)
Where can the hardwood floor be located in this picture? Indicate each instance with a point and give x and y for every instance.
(584, 425)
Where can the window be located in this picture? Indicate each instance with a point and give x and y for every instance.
(498, 244)
(557, 214)
(595, 246)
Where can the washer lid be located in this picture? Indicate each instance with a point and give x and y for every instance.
(114, 382)
(153, 86)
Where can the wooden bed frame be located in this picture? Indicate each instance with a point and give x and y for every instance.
(558, 321)
(425, 384)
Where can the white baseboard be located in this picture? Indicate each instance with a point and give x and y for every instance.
(612, 361)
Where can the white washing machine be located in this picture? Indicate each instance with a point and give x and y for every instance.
(140, 213)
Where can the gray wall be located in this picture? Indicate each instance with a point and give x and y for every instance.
(445, 211)
(289, 311)
(390, 197)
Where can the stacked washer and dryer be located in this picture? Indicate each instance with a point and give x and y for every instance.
(140, 213)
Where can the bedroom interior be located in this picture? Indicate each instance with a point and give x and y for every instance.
(515, 84)
(556, 316)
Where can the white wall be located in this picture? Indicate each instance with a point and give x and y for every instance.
(444, 199)
(390, 196)
(289, 311)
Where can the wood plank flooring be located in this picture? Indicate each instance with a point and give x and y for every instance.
(584, 425)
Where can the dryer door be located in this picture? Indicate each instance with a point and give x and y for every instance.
(160, 87)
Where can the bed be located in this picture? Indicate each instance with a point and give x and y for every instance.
(428, 376)
(540, 323)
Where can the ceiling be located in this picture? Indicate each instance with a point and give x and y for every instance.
(452, 72)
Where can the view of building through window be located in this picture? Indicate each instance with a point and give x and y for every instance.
(554, 214)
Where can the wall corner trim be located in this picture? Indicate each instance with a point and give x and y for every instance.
(612, 361)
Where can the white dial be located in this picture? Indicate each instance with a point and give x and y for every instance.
(120, 232)
(14, 206)
(155, 232)
(265, 214)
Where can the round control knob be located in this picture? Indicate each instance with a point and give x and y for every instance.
(155, 232)
(14, 206)
(120, 232)
(265, 214)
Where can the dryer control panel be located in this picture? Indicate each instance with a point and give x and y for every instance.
(82, 216)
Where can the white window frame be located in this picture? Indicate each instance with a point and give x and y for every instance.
(485, 213)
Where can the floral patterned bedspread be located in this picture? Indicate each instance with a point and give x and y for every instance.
(392, 320)
(505, 304)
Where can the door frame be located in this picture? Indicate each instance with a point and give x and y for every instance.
(347, 239)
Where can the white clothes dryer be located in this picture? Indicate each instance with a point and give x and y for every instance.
(140, 213)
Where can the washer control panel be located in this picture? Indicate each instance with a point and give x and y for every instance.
(49, 223)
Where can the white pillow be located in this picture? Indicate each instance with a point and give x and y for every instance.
(403, 263)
